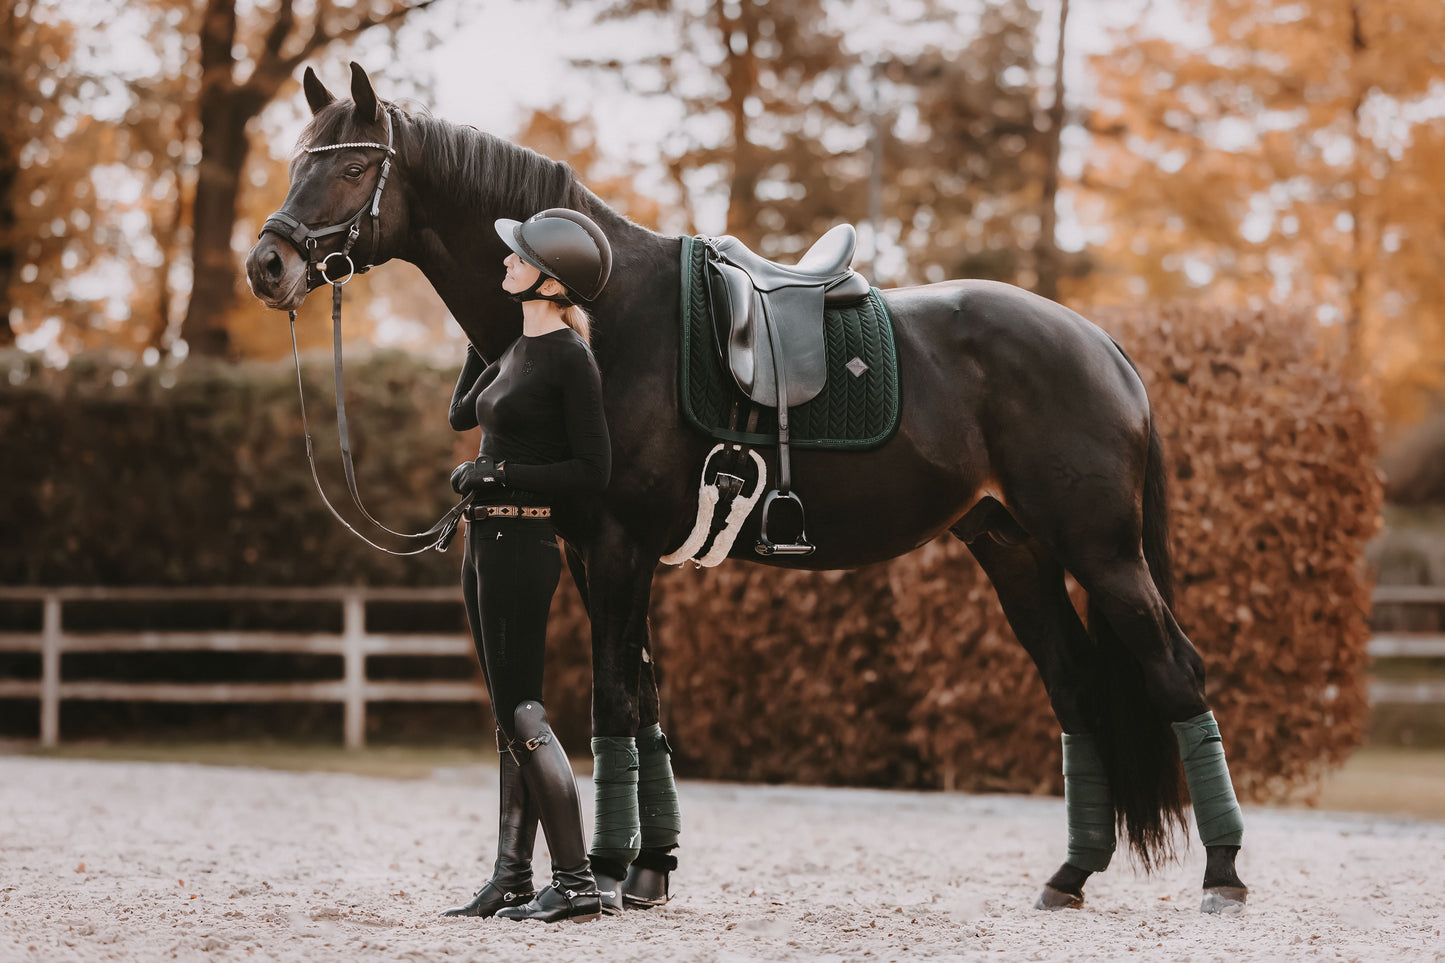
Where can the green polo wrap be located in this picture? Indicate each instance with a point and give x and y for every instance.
(615, 834)
(1216, 811)
(656, 791)
(1087, 804)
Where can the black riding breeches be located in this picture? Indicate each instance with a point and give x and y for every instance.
(509, 574)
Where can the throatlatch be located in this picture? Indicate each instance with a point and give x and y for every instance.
(1089, 809)
(1216, 810)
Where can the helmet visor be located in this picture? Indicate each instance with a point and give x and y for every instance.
(507, 231)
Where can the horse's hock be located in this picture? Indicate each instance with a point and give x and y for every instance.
(907, 673)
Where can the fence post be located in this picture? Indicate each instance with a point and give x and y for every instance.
(353, 630)
(50, 674)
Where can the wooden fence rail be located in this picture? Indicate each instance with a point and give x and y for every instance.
(1408, 645)
(355, 644)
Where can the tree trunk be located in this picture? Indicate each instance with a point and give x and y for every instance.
(218, 183)
(1357, 356)
(1046, 253)
(9, 169)
(166, 234)
(742, 81)
(7, 239)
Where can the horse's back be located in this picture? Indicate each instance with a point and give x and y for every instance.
(1016, 341)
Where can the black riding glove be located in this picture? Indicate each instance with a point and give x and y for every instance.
(479, 475)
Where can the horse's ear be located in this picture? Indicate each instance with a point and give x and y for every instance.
(316, 93)
(367, 106)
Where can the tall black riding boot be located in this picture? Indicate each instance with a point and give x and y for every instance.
(573, 893)
(511, 882)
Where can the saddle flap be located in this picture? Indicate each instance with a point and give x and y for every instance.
(742, 318)
(737, 327)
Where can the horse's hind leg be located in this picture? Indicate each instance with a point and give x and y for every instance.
(1127, 604)
(1030, 586)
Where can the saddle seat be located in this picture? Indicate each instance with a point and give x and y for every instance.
(825, 263)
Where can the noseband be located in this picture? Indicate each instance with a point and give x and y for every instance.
(305, 239)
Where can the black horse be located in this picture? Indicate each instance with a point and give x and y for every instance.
(1025, 431)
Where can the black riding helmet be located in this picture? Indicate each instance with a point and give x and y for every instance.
(564, 245)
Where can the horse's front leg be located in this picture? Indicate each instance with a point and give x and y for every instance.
(637, 816)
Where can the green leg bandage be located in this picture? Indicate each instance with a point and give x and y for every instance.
(616, 837)
(1086, 801)
(656, 791)
(1215, 808)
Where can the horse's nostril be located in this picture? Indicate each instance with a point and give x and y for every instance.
(274, 267)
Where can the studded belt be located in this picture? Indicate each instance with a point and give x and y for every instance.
(479, 512)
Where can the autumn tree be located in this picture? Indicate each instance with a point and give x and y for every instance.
(780, 103)
(1047, 255)
(967, 154)
(51, 222)
(1285, 160)
(242, 67)
(555, 133)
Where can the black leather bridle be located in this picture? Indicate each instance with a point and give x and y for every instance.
(305, 240)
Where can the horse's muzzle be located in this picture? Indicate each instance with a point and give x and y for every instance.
(277, 274)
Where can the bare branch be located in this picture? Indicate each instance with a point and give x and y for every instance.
(320, 37)
(280, 30)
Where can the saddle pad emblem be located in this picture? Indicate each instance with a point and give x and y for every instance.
(857, 366)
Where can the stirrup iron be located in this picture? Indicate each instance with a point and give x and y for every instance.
(767, 546)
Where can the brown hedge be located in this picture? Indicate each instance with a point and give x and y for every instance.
(899, 674)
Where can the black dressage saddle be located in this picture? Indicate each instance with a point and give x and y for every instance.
(768, 322)
(768, 317)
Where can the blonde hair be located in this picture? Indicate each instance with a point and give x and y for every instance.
(577, 318)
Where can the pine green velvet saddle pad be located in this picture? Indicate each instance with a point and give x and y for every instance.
(853, 412)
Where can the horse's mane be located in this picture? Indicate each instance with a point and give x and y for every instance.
(478, 170)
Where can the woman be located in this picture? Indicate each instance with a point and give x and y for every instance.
(543, 434)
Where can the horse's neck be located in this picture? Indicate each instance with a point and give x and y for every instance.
(462, 258)
(467, 275)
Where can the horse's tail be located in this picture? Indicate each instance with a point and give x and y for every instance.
(1138, 746)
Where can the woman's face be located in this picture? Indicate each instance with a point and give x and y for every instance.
(520, 275)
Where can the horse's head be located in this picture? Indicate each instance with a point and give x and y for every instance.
(338, 215)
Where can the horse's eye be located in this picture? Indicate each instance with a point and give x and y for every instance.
(353, 171)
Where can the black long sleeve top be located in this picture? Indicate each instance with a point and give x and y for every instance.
(539, 406)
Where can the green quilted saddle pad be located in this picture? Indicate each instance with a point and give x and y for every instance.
(851, 412)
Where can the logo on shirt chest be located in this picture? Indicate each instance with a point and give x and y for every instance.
(527, 367)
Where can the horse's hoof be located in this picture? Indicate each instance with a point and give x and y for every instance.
(1057, 899)
(1228, 900)
(645, 888)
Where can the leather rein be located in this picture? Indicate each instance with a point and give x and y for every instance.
(304, 239)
